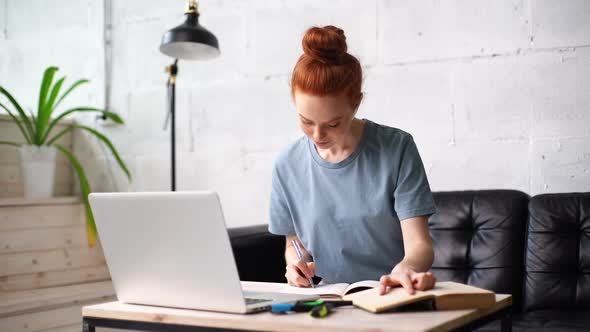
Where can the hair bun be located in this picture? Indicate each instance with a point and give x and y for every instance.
(327, 44)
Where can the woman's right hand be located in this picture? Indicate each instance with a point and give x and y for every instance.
(298, 272)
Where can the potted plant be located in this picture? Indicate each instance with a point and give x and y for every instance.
(38, 155)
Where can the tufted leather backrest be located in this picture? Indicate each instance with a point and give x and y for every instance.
(478, 239)
(259, 255)
(557, 257)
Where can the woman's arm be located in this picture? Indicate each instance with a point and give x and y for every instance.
(419, 255)
(297, 271)
(417, 244)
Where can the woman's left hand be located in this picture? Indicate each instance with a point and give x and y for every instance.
(407, 278)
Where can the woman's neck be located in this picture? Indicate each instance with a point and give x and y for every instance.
(339, 152)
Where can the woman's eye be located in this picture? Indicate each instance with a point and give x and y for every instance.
(335, 125)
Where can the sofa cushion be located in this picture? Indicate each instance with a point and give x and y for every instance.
(557, 258)
(478, 239)
(545, 321)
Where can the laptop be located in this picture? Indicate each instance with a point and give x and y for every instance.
(172, 249)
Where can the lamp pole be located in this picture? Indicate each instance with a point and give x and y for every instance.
(171, 85)
(188, 41)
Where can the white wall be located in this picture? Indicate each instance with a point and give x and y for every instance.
(496, 93)
(33, 36)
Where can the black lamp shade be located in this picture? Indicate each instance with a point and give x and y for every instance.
(190, 41)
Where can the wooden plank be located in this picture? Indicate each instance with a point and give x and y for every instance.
(10, 132)
(10, 156)
(50, 260)
(68, 328)
(42, 320)
(45, 320)
(17, 189)
(11, 173)
(20, 302)
(346, 319)
(26, 217)
(11, 182)
(78, 328)
(6, 117)
(42, 238)
(21, 201)
(54, 278)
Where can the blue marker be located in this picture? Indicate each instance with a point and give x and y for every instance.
(281, 307)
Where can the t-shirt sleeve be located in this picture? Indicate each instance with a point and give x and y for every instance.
(412, 195)
(280, 222)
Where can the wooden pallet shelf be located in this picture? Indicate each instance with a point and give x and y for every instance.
(47, 270)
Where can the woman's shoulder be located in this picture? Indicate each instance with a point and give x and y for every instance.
(292, 152)
(388, 136)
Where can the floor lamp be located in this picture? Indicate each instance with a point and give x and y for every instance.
(188, 41)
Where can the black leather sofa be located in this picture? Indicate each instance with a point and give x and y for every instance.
(535, 248)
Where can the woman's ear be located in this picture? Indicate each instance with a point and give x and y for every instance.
(358, 102)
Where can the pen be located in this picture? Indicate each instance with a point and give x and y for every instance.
(298, 250)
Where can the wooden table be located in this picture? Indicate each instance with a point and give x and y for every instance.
(150, 318)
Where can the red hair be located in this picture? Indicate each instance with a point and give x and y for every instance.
(325, 68)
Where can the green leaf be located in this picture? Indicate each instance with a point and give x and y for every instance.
(59, 135)
(43, 95)
(54, 92)
(107, 114)
(45, 114)
(34, 119)
(21, 114)
(45, 85)
(101, 137)
(18, 123)
(71, 88)
(9, 143)
(85, 189)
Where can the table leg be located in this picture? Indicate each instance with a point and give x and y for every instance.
(506, 323)
(87, 327)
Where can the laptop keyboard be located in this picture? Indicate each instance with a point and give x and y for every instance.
(254, 301)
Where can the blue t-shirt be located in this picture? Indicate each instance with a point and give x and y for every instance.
(347, 214)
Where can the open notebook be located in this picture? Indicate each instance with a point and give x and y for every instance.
(446, 295)
(326, 291)
(335, 290)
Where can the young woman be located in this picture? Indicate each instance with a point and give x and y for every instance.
(352, 192)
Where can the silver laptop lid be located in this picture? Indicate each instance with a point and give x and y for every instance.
(168, 249)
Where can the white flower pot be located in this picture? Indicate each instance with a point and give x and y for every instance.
(38, 170)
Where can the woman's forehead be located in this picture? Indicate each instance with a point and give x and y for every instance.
(321, 108)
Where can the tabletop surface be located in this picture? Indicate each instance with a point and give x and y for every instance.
(342, 319)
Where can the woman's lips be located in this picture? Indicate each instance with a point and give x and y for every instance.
(321, 143)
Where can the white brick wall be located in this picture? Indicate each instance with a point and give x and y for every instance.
(3, 17)
(560, 23)
(64, 33)
(433, 30)
(496, 93)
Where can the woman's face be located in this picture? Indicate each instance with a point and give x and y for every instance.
(325, 120)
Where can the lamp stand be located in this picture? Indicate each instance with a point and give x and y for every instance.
(188, 41)
(172, 70)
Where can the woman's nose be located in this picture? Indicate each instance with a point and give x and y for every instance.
(318, 134)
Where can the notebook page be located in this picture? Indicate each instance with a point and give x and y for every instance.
(324, 289)
(361, 285)
(329, 289)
